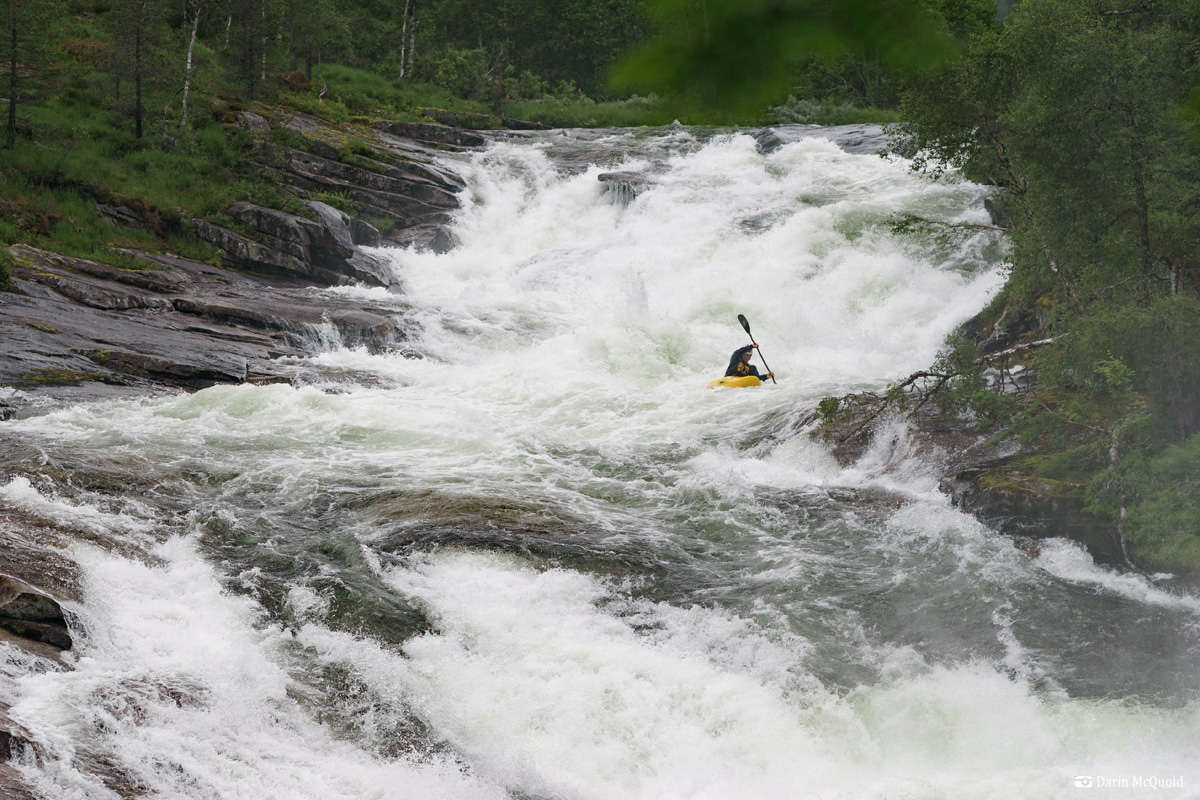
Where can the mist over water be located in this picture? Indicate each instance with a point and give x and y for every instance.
(544, 560)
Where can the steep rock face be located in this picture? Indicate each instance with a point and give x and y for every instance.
(396, 174)
(322, 250)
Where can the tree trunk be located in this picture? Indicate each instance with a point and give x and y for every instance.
(412, 35)
(10, 129)
(137, 73)
(404, 36)
(263, 9)
(292, 15)
(187, 72)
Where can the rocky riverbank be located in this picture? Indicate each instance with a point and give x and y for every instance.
(985, 470)
(77, 330)
(80, 330)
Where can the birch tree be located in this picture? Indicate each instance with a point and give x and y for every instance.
(195, 8)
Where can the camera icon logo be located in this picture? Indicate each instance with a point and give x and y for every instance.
(1083, 781)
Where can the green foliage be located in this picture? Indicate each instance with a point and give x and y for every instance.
(187, 246)
(1152, 349)
(585, 113)
(333, 111)
(360, 154)
(339, 200)
(728, 59)
(573, 41)
(828, 409)
(288, 138)
(362, 91)
(6, 281)
(970, 388)
(1087, 116)
(466, 73)
(1189, 116)
(1076, 112)
(1163, 515)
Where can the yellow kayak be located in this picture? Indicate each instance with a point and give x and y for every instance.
(735, 383)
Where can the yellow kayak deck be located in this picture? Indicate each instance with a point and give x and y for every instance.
(735, 383)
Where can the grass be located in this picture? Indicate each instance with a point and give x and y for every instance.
(357, 92)
(584, 113)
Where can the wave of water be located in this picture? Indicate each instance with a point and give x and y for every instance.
(545, 561)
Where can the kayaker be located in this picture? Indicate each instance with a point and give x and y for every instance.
(740, 366)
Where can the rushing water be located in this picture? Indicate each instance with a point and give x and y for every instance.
(544, 560)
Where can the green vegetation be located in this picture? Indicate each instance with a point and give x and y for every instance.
(124, 105)
(6, 283)
(1086, 114)
(585, 113)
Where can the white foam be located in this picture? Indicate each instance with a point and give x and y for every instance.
(20, 493)
(1070, 561)
(544, 679)
(180, 687)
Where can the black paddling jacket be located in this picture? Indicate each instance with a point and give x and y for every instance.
(738, 368)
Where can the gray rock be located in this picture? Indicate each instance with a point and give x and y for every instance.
(33, 615)
(767, 141)
(253, 122)
(444, 135)
(322, 251)
(204, 326)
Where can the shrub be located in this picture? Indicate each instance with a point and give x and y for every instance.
(6, 281)
(1163, 518)
(288, 138)
(339, 200)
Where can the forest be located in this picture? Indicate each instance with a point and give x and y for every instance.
(1085, 114)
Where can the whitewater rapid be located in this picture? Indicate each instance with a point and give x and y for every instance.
(534, 556)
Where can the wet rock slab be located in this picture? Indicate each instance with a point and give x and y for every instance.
(79, 330)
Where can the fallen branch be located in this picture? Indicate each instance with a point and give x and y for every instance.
(908, 391)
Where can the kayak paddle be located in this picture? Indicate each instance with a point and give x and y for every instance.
(746, 325)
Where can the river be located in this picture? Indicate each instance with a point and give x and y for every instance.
(532, 556)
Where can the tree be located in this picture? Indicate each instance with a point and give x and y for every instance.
(195, 8)
(25, 51)
(138, 36)
(313, 25)
(252, 20)
(729, 59)
(1085, 113)
(1075, 110)
(575, 41)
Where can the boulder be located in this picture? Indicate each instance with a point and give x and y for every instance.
(29, 614)
(626, 185)
(767, 141)
(999, 210)
(322, 250)
(443, 135)
(252, 122)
